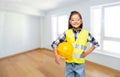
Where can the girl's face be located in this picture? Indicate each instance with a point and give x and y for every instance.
(75, 21)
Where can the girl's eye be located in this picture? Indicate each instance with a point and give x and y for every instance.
(72, 20)
(75, 19)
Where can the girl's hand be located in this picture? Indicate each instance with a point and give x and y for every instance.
(84, 54)
(88, 51)
(58, 59)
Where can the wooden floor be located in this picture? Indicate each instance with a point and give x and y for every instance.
(40, 63)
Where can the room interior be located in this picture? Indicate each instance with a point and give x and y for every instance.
(27, 29)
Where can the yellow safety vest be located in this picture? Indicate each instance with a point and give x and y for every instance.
(79, 45)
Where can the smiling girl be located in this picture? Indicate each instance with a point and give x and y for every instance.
(79, 38)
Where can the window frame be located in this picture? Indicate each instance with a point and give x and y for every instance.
(102, 35)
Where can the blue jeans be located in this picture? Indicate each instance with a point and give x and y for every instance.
(74, 70)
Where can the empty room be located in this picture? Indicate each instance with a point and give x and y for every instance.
(59, 38)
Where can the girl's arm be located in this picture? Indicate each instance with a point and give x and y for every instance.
(54, 46)
(58, 40)
(58, 58)
(94, 43)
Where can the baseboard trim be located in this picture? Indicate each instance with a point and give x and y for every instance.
(102, 66)
(6, 57)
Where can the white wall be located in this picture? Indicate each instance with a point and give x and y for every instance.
(46, 32)
(19, 32)
(84, 9)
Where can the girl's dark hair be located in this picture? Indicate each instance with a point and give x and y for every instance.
(72, 13)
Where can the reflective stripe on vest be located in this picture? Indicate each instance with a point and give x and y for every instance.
(80, 44)
(76, 55)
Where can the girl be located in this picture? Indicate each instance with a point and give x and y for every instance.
(79, 38)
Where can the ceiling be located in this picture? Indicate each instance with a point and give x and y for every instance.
(35, 7)
(42, 5)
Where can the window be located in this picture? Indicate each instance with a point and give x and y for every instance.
(105, 21)
(62, 24)
(54, 27)
(59, 25)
